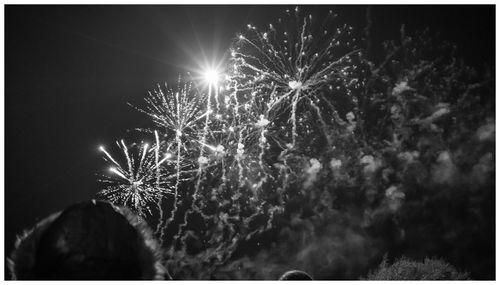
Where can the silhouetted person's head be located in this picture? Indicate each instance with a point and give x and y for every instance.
(88, 241)
(295, 275)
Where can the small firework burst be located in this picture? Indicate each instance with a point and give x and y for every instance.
(298, 61)
(139, 184)
(178, 112)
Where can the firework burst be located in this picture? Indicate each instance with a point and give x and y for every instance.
(296, 62)
(178, 112)
(139, 184)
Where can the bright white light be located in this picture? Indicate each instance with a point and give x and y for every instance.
(219, 148)
(202, 160)
(262, 122)
(211, 76)
(295, 84)
(115, 171)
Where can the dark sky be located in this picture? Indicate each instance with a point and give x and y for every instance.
(70, 71)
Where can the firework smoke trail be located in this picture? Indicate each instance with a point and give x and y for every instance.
(262, 123)
(137, 185)
(177, 180)
(295, 101)
(159, 204)
(240, 146)
(321, 120)
(179, 113)
(300, 60)
(202, 161)
(261, 128)
(217, 104)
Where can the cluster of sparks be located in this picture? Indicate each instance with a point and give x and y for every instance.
(272, 74)
(138, 184)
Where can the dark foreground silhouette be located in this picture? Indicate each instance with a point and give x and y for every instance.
(93, 240)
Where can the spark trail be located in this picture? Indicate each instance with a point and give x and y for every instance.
(202, 161)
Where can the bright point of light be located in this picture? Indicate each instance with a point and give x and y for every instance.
(101, 148)
(168, 156)
(262, 122)
(115, 171)
(211, 72)
(211, 76)
(202, 160)
(294, 84)
(219, 148)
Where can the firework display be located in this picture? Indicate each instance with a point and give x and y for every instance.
(279, 81)
(306, 138)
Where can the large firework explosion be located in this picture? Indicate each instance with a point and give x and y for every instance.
(294, 108)
(232, 141)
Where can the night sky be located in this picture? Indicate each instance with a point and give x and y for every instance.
(71, 70)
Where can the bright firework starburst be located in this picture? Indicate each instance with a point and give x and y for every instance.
(297, 61)
(139, 184)
(176, 111)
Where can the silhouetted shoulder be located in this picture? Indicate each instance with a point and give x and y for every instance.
(92, 240)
